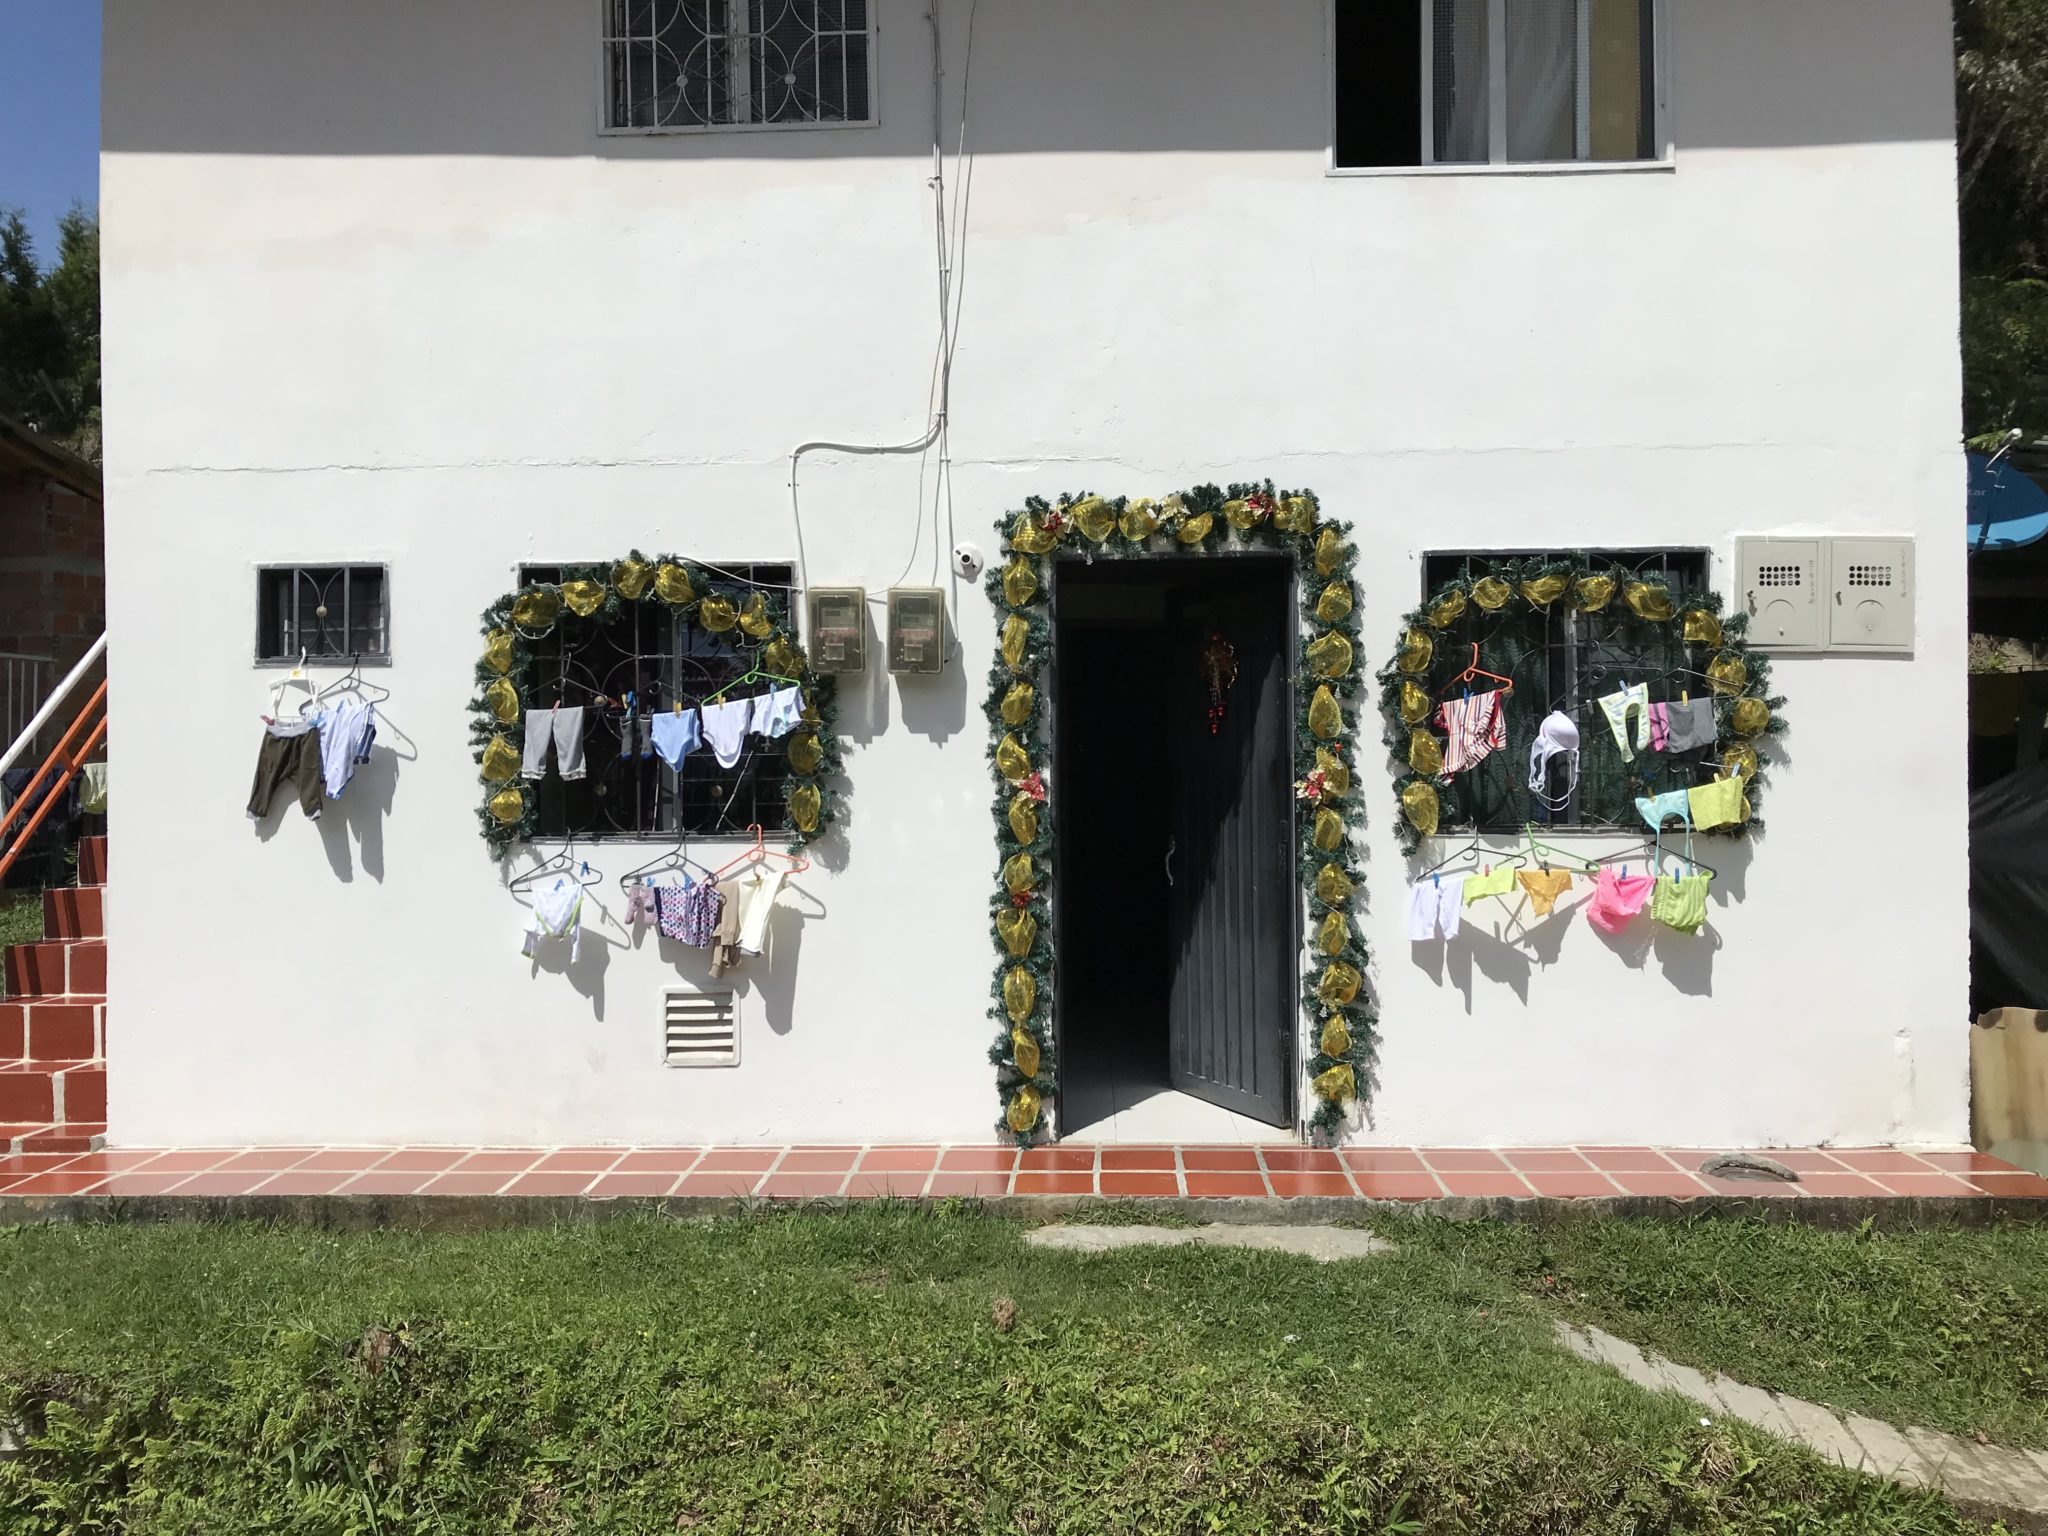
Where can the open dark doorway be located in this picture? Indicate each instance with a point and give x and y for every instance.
(1175, 891)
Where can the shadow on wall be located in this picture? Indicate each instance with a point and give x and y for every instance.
(525, 78)
(358, 816)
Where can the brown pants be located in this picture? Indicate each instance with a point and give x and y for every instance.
(293, 760)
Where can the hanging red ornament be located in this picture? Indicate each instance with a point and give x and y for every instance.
(1261, 506)
(1056, 521)
(1312, 787)
(1219, 669)
(1032, 785)
(1021, 900)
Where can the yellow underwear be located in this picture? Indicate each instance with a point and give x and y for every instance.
(1718, 804)
(1544, 887)
(1681, 902)
(1496, 883)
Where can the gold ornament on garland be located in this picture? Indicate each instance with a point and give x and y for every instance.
(1491, 593)
(498, 651)
(1740, 759)
(583, 597)
(1023, 817)
(1018, 703)
(1339, 985)
(1750, 716)
(1416, 706)
(1542, 591)
(1020, 581)
(1649, 601)
(508, 805)
(1448, 610)
(1339, 1085)
(536, 609)
(630, 578)
(1335, 603)
(1140, 520)
(1329, 552)
(1336, 1036)
(782, 657)
(1240, 514)
(805, 806)
(1325, 719)
(1092, 515)
(1016, 635)
(1335, 771)
(1024, 1051)
(1701, 627)
(501, 760)
(1018, 931)
(1295, 514)
(755, 620)
(1019, 874)
(672, 586)
(1012, 761)
(1420, 805)
(1333, 889)
(1031, 538)
(1022, 1114)
(1728, 675)
(1329, 832)
(1425, 754)
(1020, 993)
(1329, 654)
(1416, 651)
(1594, 593)
(805, 753)
(1196, 528)
(1333, 934)
(502, 699)
(717, 614)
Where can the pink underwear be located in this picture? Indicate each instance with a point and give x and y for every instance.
(1617, 899)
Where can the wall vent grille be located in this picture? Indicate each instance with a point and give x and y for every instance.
(700, 1029)
(1780, 575)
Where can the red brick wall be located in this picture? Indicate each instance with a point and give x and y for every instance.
(53, 594)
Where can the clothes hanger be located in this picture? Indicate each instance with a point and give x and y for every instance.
(1539, 848)
(669, 858)
(556, 864)
(355, 682)
(1475, 670)
(759, 853)
(1471, 847)
(749, 677)
(296, 675)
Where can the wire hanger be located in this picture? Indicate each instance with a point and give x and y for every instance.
(1474, 670)
(748, 677)
(759, 853)
(1506, 858)
(355, 682)
(557, 864)
(1546, 852)
(667, 859)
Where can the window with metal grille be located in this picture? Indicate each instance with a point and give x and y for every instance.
(673, 66)
(1495, 82)
(663, 662)
(327, 611)
(1566, 660)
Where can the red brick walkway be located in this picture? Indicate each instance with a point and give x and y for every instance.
(1282, 1172)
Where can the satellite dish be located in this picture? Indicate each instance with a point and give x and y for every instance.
(2008, 508)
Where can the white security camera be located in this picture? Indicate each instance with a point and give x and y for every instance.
(966, 561)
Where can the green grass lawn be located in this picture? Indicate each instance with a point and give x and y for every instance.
(21, 921)
(1943, 1328)
(841, 1372)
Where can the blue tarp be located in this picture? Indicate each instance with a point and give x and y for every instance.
(2007, 508)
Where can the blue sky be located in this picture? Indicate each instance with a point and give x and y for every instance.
(49, 112)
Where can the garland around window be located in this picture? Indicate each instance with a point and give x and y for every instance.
(1739, 679)
(747, 617)
(1328, 697)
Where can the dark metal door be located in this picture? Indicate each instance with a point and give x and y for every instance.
(1232, 899)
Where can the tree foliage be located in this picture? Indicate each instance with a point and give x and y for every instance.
(50, 330)
(2002, 175)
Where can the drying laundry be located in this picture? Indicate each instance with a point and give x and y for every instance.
(562, 727)
(725, 937)
(1494, 882)
(1681, 901)
(92, 789)
(1718, 804)
(1617, 899)
(1557, 741)
(756, 891)
(1617, 707)
(725, 729)
(1656, 809)
(1688, 724)
(348, 727)
(689, 912)
(289, 754)
(1544, 887)
(636, 735)
(676, 735)
(1473, 726)
(1435, 904)
(640, 904)
(776, 714)
(557, 914)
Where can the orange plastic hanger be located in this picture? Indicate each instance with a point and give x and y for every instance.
(1507, 684)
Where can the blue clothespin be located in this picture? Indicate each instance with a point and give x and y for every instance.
(586, 867)
(1437, 881)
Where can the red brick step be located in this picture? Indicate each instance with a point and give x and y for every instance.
(77, 913)
(92, 861)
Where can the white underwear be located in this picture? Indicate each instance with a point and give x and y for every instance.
(776, 714)
(725, 729)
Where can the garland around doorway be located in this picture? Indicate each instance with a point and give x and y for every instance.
(745, 617)
(1328, 698)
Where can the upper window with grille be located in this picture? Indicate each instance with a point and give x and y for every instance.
(330, 611)
(1562, 659)
(1423, 83)
(676, 66)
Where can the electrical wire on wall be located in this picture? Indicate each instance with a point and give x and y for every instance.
(950, 240)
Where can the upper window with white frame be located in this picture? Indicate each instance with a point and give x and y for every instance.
(1475, 83)
(679, 66)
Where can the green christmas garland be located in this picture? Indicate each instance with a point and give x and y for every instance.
(1328, 700)
(1638, 607)
(749, 617)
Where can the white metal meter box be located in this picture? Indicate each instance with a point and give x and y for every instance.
(1779, 586)
(917, 629)
(1870, 606)
(839, 629)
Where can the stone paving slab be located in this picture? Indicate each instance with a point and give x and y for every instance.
(1324, 1244)
(1982, 1479)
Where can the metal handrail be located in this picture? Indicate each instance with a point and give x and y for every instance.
(57, 696)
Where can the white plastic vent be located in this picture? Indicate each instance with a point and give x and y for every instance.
(700, 1029)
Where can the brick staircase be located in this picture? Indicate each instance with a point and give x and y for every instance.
(53, 1021)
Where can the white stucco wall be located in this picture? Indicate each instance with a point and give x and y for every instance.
(376, 290)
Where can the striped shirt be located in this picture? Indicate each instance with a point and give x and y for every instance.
(1473, 726)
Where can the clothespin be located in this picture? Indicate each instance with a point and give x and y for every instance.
(1437, 881)
(1685, 696)
(585, 870)
(677, 705)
